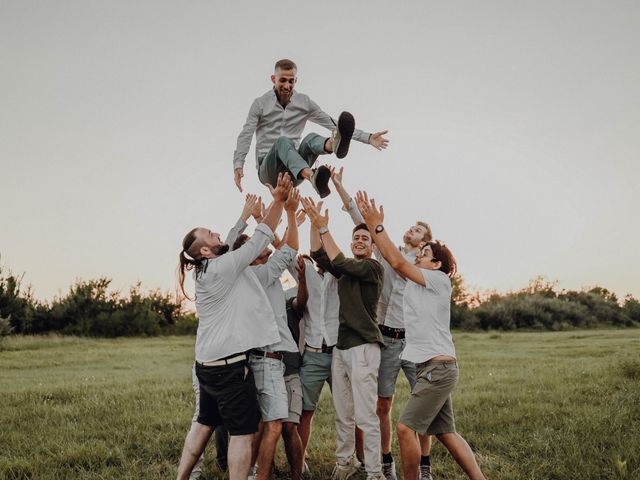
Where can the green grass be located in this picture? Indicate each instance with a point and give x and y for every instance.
(532, 406)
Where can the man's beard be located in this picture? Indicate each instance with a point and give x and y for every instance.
(220, 249)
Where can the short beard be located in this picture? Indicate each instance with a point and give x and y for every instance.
(220, 249)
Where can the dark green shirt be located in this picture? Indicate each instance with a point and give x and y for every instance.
(359, 288)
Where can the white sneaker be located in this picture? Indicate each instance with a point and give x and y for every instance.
(425, 472)
(344, 472)
(253, 471)
(305, 468)
(376, 476)
(389, 471)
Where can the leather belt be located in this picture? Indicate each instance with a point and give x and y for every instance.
(391, 332)
(224, 361)
(262, 353)
(324, 349)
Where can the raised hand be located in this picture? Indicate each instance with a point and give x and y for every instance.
(238, 173)
(293, 200)
(336, 176)
(258, 210)
(281, 191)
(313, 212)
(301, 216)
(377, 140)
(300, 266)
(368, 209)
(251, 201)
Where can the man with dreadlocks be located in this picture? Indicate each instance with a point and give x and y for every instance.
(234, 316)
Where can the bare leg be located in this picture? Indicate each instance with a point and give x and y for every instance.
(293, 448)
(425, 445)
(305, 173)
(267, 448)
(462, 453)
(255, 443)
(194, 444)
(304, 429)
(383, 409)
(328, 145)
(409, 451)
(360, 445)
(239, 456)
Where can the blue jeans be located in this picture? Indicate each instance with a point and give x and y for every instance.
(284, 158)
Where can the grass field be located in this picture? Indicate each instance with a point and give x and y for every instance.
(532, 406)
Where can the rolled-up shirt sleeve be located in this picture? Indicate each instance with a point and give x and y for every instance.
(276, 265)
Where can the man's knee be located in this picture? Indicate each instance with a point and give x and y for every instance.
(404, 432)
(273, 428)
(284, 142)
(383, 407)
(289, 429)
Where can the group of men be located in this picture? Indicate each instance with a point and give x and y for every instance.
(258, 375)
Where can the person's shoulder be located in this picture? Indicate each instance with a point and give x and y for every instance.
(375, 264)
(436, 277)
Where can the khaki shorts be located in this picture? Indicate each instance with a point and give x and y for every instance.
(430, 410)
(294, 394)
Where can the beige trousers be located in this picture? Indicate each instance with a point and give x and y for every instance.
(354, 381)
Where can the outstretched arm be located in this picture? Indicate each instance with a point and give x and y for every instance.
(279, 194)
(321, 222)
(374, 216)
(348, 205)
(241, 224)
(244, 142)
(291, 207)
(300, 302)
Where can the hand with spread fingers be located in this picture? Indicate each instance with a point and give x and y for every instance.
(281, 192)
(313, 212)
(250, 203)
(259, 210)
(336, 176)
(377, 140)
(372, 215)
(293, 200)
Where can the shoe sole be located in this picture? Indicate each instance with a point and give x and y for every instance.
(322, 181)
(346, 125)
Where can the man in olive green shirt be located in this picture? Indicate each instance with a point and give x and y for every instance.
(356, 360)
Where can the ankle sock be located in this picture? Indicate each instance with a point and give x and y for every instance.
(387, 458)
(425, 460)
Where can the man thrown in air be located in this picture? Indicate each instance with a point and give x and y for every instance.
(278, 118)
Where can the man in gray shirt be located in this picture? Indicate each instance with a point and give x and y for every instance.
(278, 118)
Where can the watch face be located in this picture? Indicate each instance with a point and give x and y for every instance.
(379, 228)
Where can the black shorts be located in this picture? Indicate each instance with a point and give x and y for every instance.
(228, 397)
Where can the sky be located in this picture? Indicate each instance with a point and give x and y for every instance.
(514, 130)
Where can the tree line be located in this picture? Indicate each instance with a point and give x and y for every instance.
(91, 308)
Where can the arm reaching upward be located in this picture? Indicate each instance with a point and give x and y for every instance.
(348, 205)
(279, 194)
(374, 216)
(321, 222)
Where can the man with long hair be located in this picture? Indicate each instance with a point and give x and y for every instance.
(234, 316)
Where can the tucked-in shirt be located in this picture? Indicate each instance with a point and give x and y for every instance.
(234, 313)
(321, 316)
(359, 287)
(390, 306)
(427, 316)
(270, 120)
(269, 277)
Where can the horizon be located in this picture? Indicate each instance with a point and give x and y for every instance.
(513, 132)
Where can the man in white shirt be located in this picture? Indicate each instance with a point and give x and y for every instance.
(278, 118)
(392, 326)
(234, 316)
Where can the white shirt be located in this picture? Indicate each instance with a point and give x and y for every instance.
(269, 277)
(233, 310)
(321, 317)
(270, 120)
(427, 316)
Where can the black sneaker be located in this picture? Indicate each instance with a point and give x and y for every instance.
(341, 136)
(320, 180)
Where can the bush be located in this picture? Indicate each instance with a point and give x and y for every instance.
(16, 303)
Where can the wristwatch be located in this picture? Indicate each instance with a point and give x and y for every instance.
(323, 230)
(380, 228)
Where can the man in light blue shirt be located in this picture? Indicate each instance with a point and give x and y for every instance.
(278, 118)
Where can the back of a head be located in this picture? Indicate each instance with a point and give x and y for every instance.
(442, 254)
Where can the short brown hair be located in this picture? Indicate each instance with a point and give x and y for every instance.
(286, 64)
(427, 236)
(442, 254)
(360, 226)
